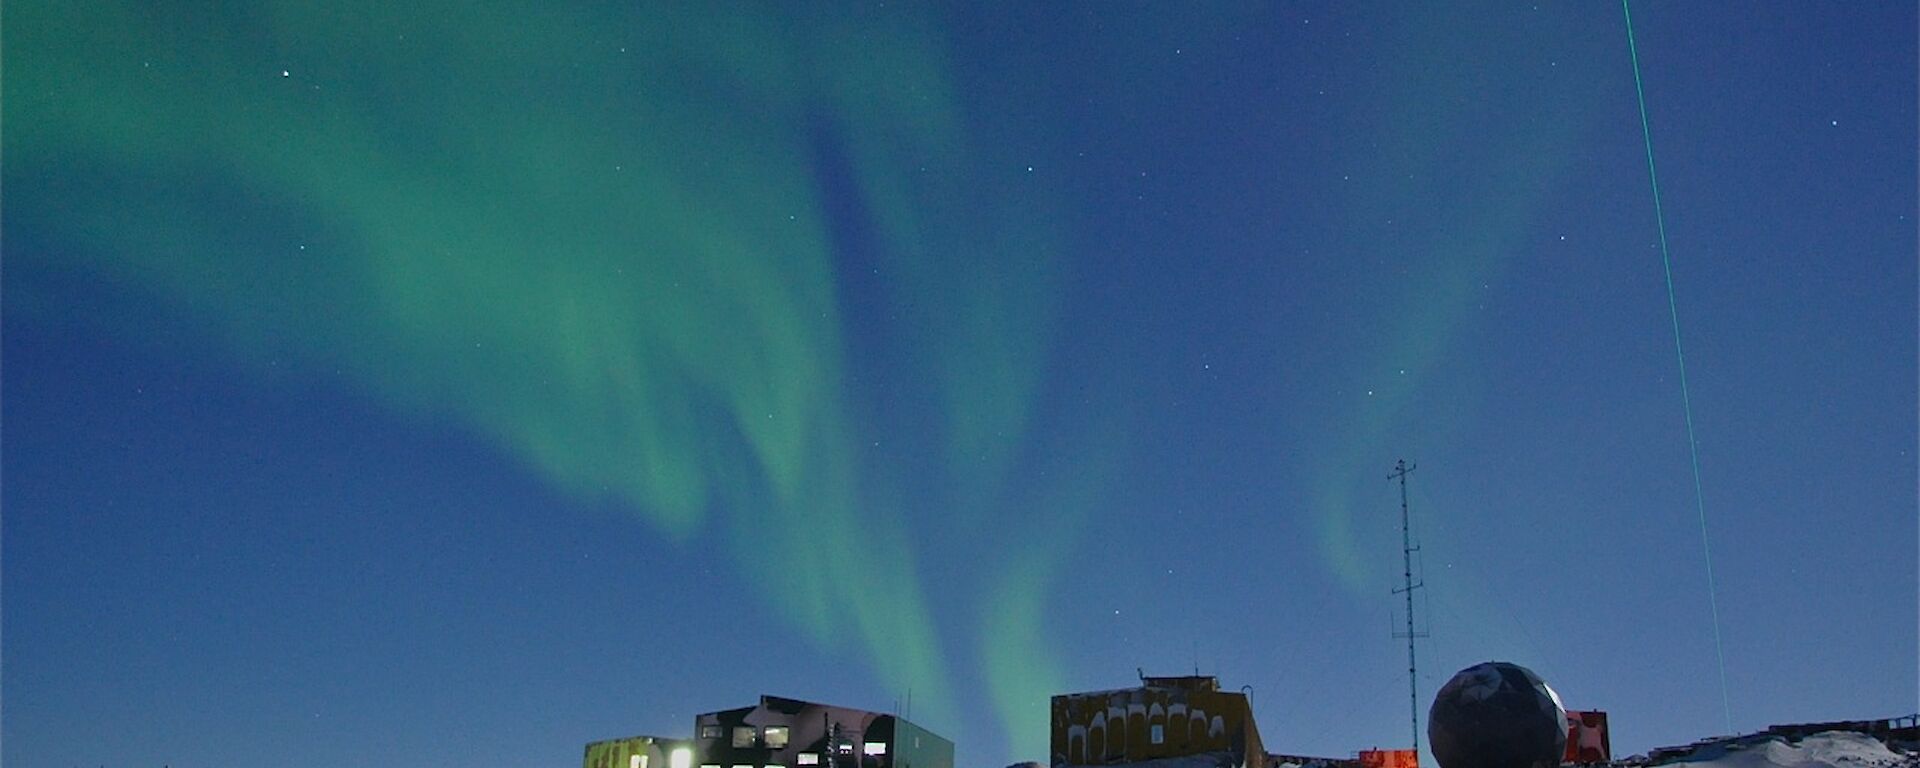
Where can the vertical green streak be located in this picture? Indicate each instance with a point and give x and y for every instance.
(1686, 402)
(1020, 674)
(1018, 677)
(1462, 205)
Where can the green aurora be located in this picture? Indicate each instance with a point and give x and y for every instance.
(1478, 209)
(596, 240)
(600, 241)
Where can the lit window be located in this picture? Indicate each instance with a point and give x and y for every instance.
(808, 758)
(776, 737)
(874, 748)
(745, 736)
(709, 732)
(682, 757)
(1159, 734)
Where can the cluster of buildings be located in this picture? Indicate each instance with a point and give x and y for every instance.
(782, 733)
(1164, 722)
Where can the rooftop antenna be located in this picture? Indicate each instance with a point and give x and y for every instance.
(1400, 470)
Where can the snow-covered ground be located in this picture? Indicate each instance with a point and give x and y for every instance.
(1833, 749)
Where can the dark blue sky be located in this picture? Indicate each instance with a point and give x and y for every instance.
(441, 386)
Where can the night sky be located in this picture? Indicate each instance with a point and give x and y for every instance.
(431, 384)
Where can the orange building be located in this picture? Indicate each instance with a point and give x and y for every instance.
(1165, 717)
(1389, 758)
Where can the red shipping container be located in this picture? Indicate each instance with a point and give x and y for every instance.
(1389, 758)
(1587, 738)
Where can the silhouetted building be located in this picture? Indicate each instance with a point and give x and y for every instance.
(1310, 761)
(789, 733)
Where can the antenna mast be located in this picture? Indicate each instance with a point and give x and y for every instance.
(1400, 470)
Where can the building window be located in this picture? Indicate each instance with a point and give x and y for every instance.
(808, 758)
(682, 757)
(709, 732)
(874, 748)
(744, 736)
(1159, 733)
(776, 737)
(636, 761)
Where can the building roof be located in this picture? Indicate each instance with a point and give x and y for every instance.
(1188, 682)
(1207, 683)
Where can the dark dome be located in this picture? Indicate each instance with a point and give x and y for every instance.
(1497, 715)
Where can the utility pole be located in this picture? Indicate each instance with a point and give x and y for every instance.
(1400, 470)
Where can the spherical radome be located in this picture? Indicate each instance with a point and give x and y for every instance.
(1497, 715)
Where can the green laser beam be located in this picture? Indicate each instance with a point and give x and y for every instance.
(1686, 400)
